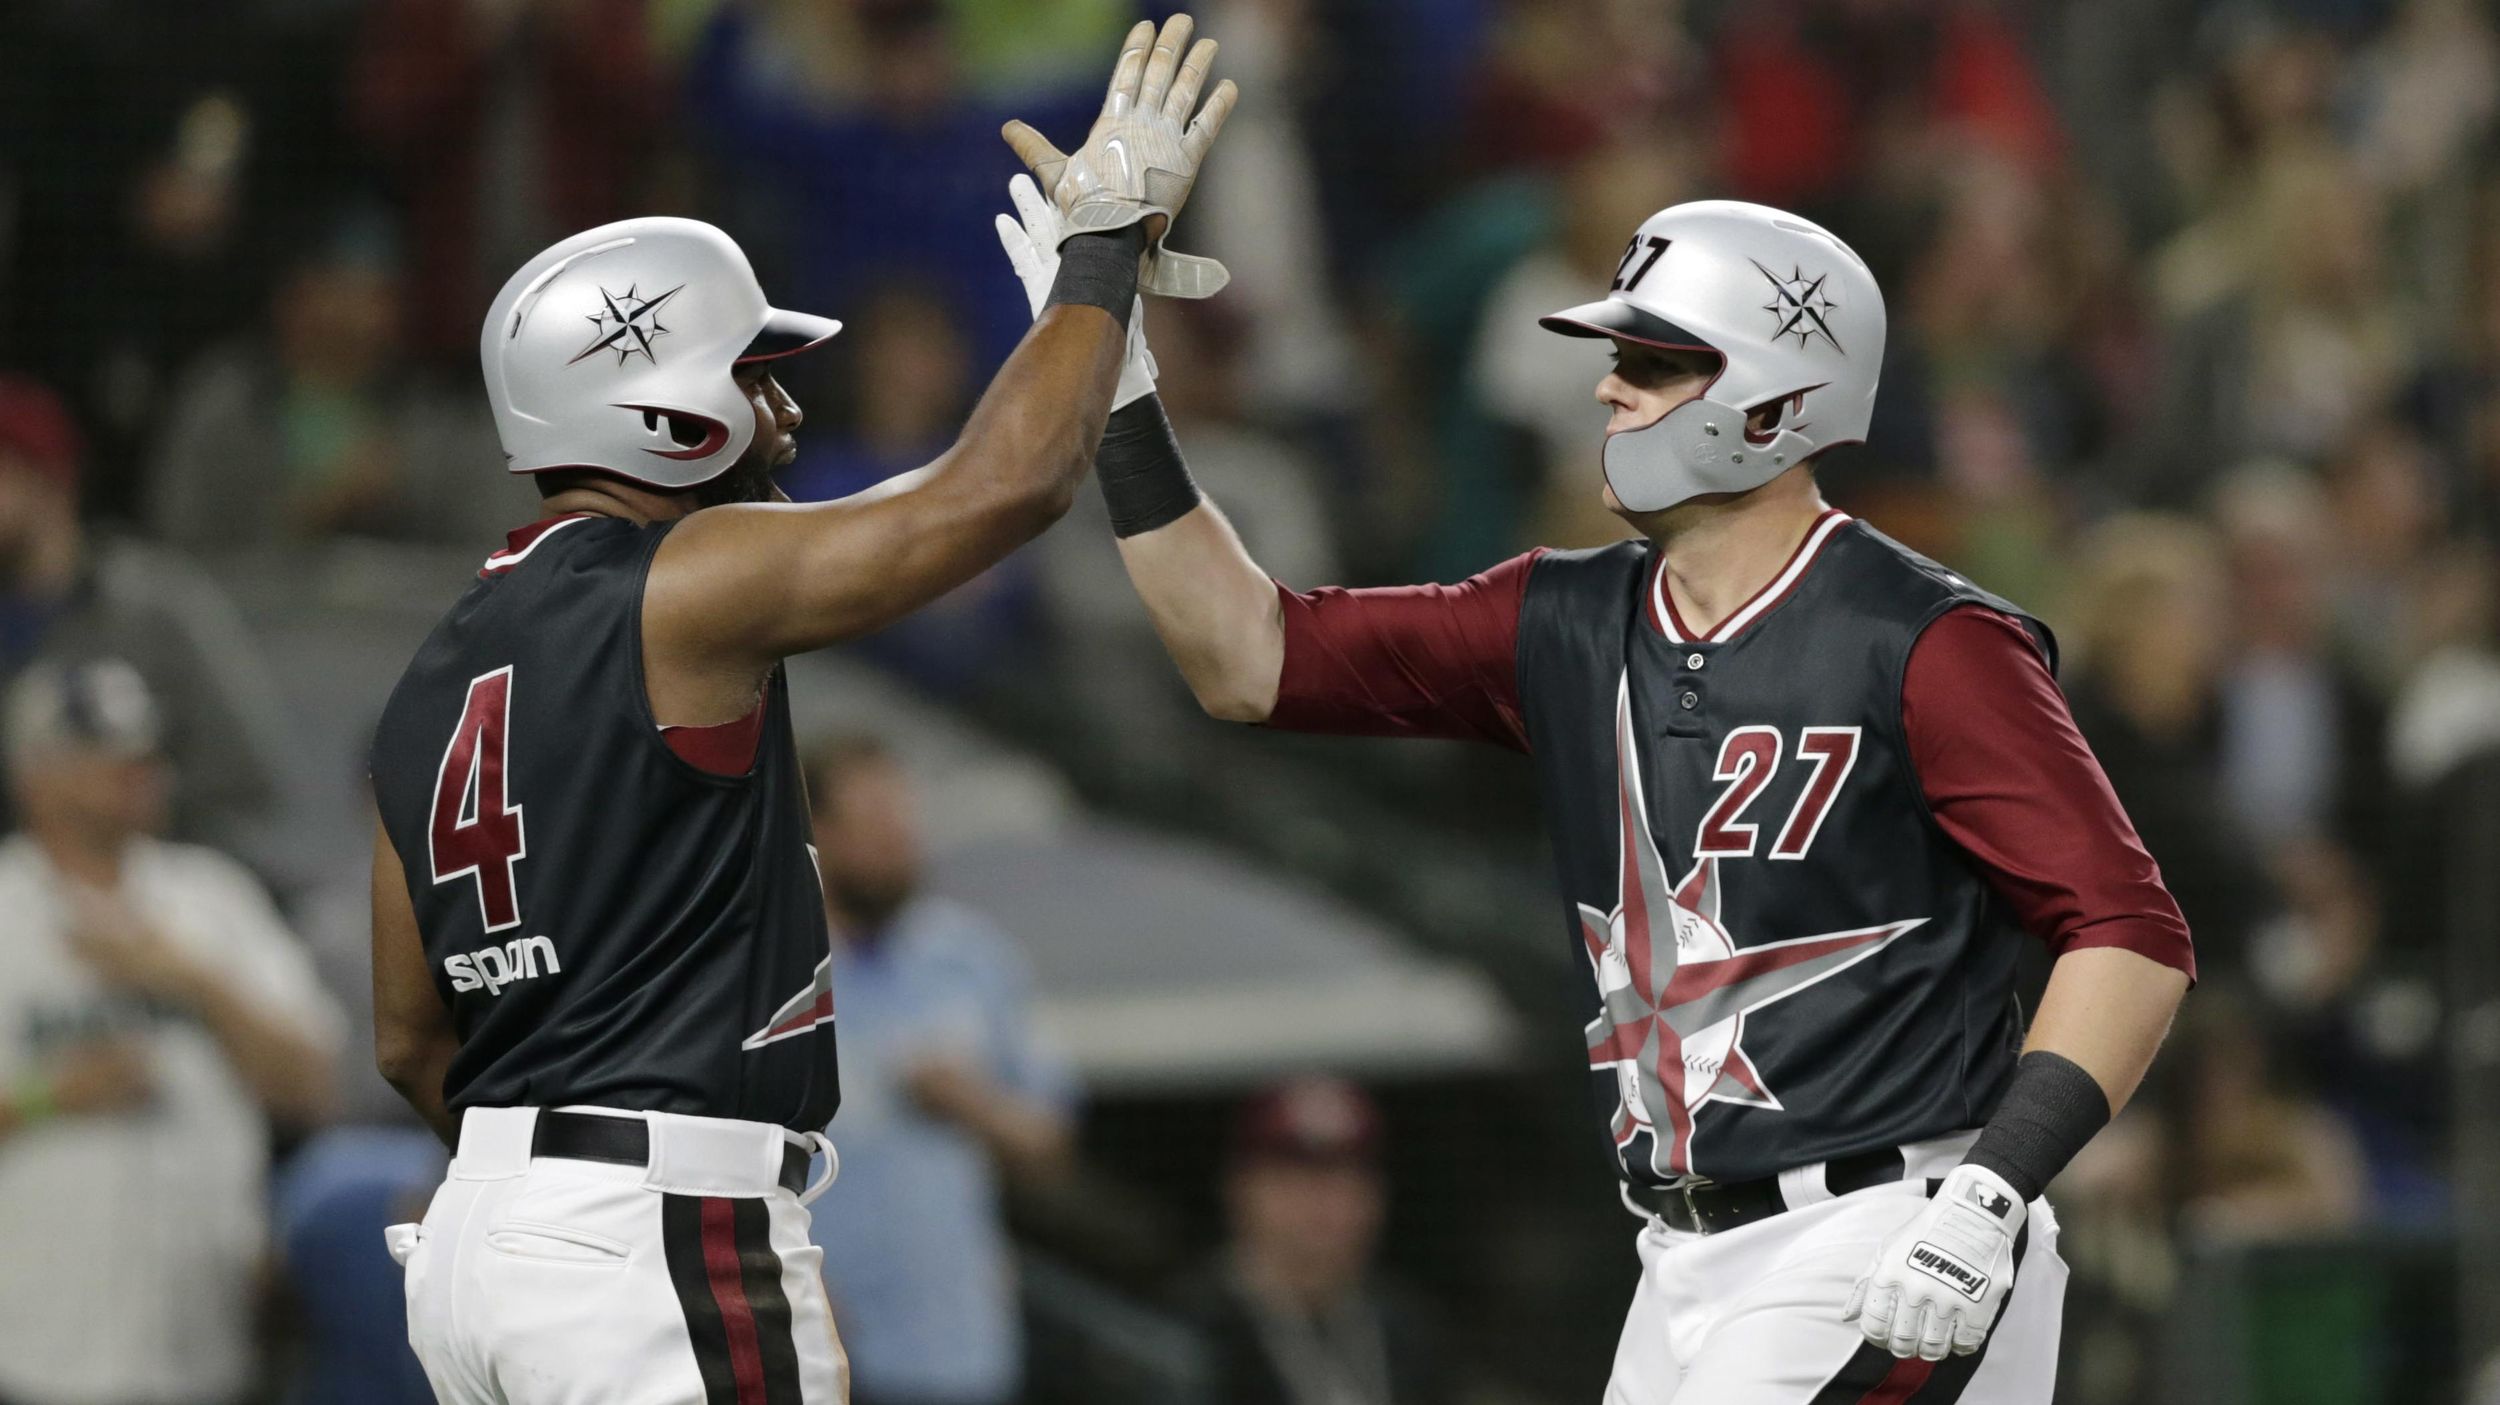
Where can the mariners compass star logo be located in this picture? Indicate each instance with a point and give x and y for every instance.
(627, 324)
(1674, 988)
(1802, 307)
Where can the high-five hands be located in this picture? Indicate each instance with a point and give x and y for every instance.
(1031, 238)
(1139, 162)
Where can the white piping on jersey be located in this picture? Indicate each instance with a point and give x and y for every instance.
(1763, 599)
(507, 559)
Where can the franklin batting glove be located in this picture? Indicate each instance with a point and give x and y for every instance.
(1139, 161)
(1937, 1283)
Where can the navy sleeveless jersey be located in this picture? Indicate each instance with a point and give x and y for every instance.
(1788, 960)
(607, 923)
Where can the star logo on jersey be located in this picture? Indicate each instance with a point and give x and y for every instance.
(1674, 988)
(627, 324)
(1800, 306)
(801, 1012)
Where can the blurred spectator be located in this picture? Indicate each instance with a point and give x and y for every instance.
(2359, 1019)
(912, 383)
(508, 125)
(2218, 1151)
(313, 428)
(1014, 47)
(1817, 93)
(2384, 485)
(1559, 80)
(156, 1017)
(1259, 210)
(849, 130)
(2429, 90)
(2449, 707)
(2258, 1160)
(947, 1097)
(2145, 635)
(2287, 336)
(138, 243)
(334, 1198)
(1544, 389)
(1294, 1309)
(67, 591)
(2300, 749)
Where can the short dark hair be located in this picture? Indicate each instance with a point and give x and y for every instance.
(831, 759)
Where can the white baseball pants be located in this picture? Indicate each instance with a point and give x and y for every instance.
(689, 1281)
(1751, 1316)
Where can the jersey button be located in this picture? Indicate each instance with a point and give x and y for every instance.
(1694, 660)
(1689, 701)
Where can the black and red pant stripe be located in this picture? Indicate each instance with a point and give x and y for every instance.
(1874, 1376)
(728, 1279)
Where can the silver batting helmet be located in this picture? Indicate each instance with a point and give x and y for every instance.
(615, 350)
(1794, 318)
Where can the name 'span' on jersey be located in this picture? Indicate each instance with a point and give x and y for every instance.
(1787, 961)
(608, 923)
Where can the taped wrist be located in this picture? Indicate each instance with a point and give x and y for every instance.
(1100, 270)
(2051, 1110)
(1144, 482)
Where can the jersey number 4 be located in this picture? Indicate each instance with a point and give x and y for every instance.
(1746, 760)
(476, 829)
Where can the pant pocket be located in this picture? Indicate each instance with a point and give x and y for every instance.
(558, 1244)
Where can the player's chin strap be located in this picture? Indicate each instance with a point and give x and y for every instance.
(833, 1168)
(1698, 447)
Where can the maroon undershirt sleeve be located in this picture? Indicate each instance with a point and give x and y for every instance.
(2011, 780)
(1406, 661)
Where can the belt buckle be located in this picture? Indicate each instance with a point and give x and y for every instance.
(1692, 1207)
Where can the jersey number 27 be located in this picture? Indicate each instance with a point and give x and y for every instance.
(475, 828)
(1746, 760)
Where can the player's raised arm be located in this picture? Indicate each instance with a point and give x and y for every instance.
(759, 581)
(1423, 661)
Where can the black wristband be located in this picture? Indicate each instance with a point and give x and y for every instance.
(2051, 1110)
(1100, 270)
(1144, 482)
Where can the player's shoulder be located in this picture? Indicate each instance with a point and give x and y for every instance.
(1602, 568)
(1916, 590)
(1924, 586)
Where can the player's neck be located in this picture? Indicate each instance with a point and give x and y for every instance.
(607, 497)
(1720, 553)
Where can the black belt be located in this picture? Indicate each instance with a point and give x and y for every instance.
(1712, 1209)
(626, 1141)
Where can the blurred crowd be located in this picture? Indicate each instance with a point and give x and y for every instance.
(2195, 349)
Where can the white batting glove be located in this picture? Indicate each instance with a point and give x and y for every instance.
(1139, 161)
(1936, 1284)
(1033, 250)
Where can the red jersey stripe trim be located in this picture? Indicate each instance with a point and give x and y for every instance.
(521, 541)
(1662, 613)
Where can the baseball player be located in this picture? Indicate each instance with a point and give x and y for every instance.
(600, 954)
(1806, 789)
